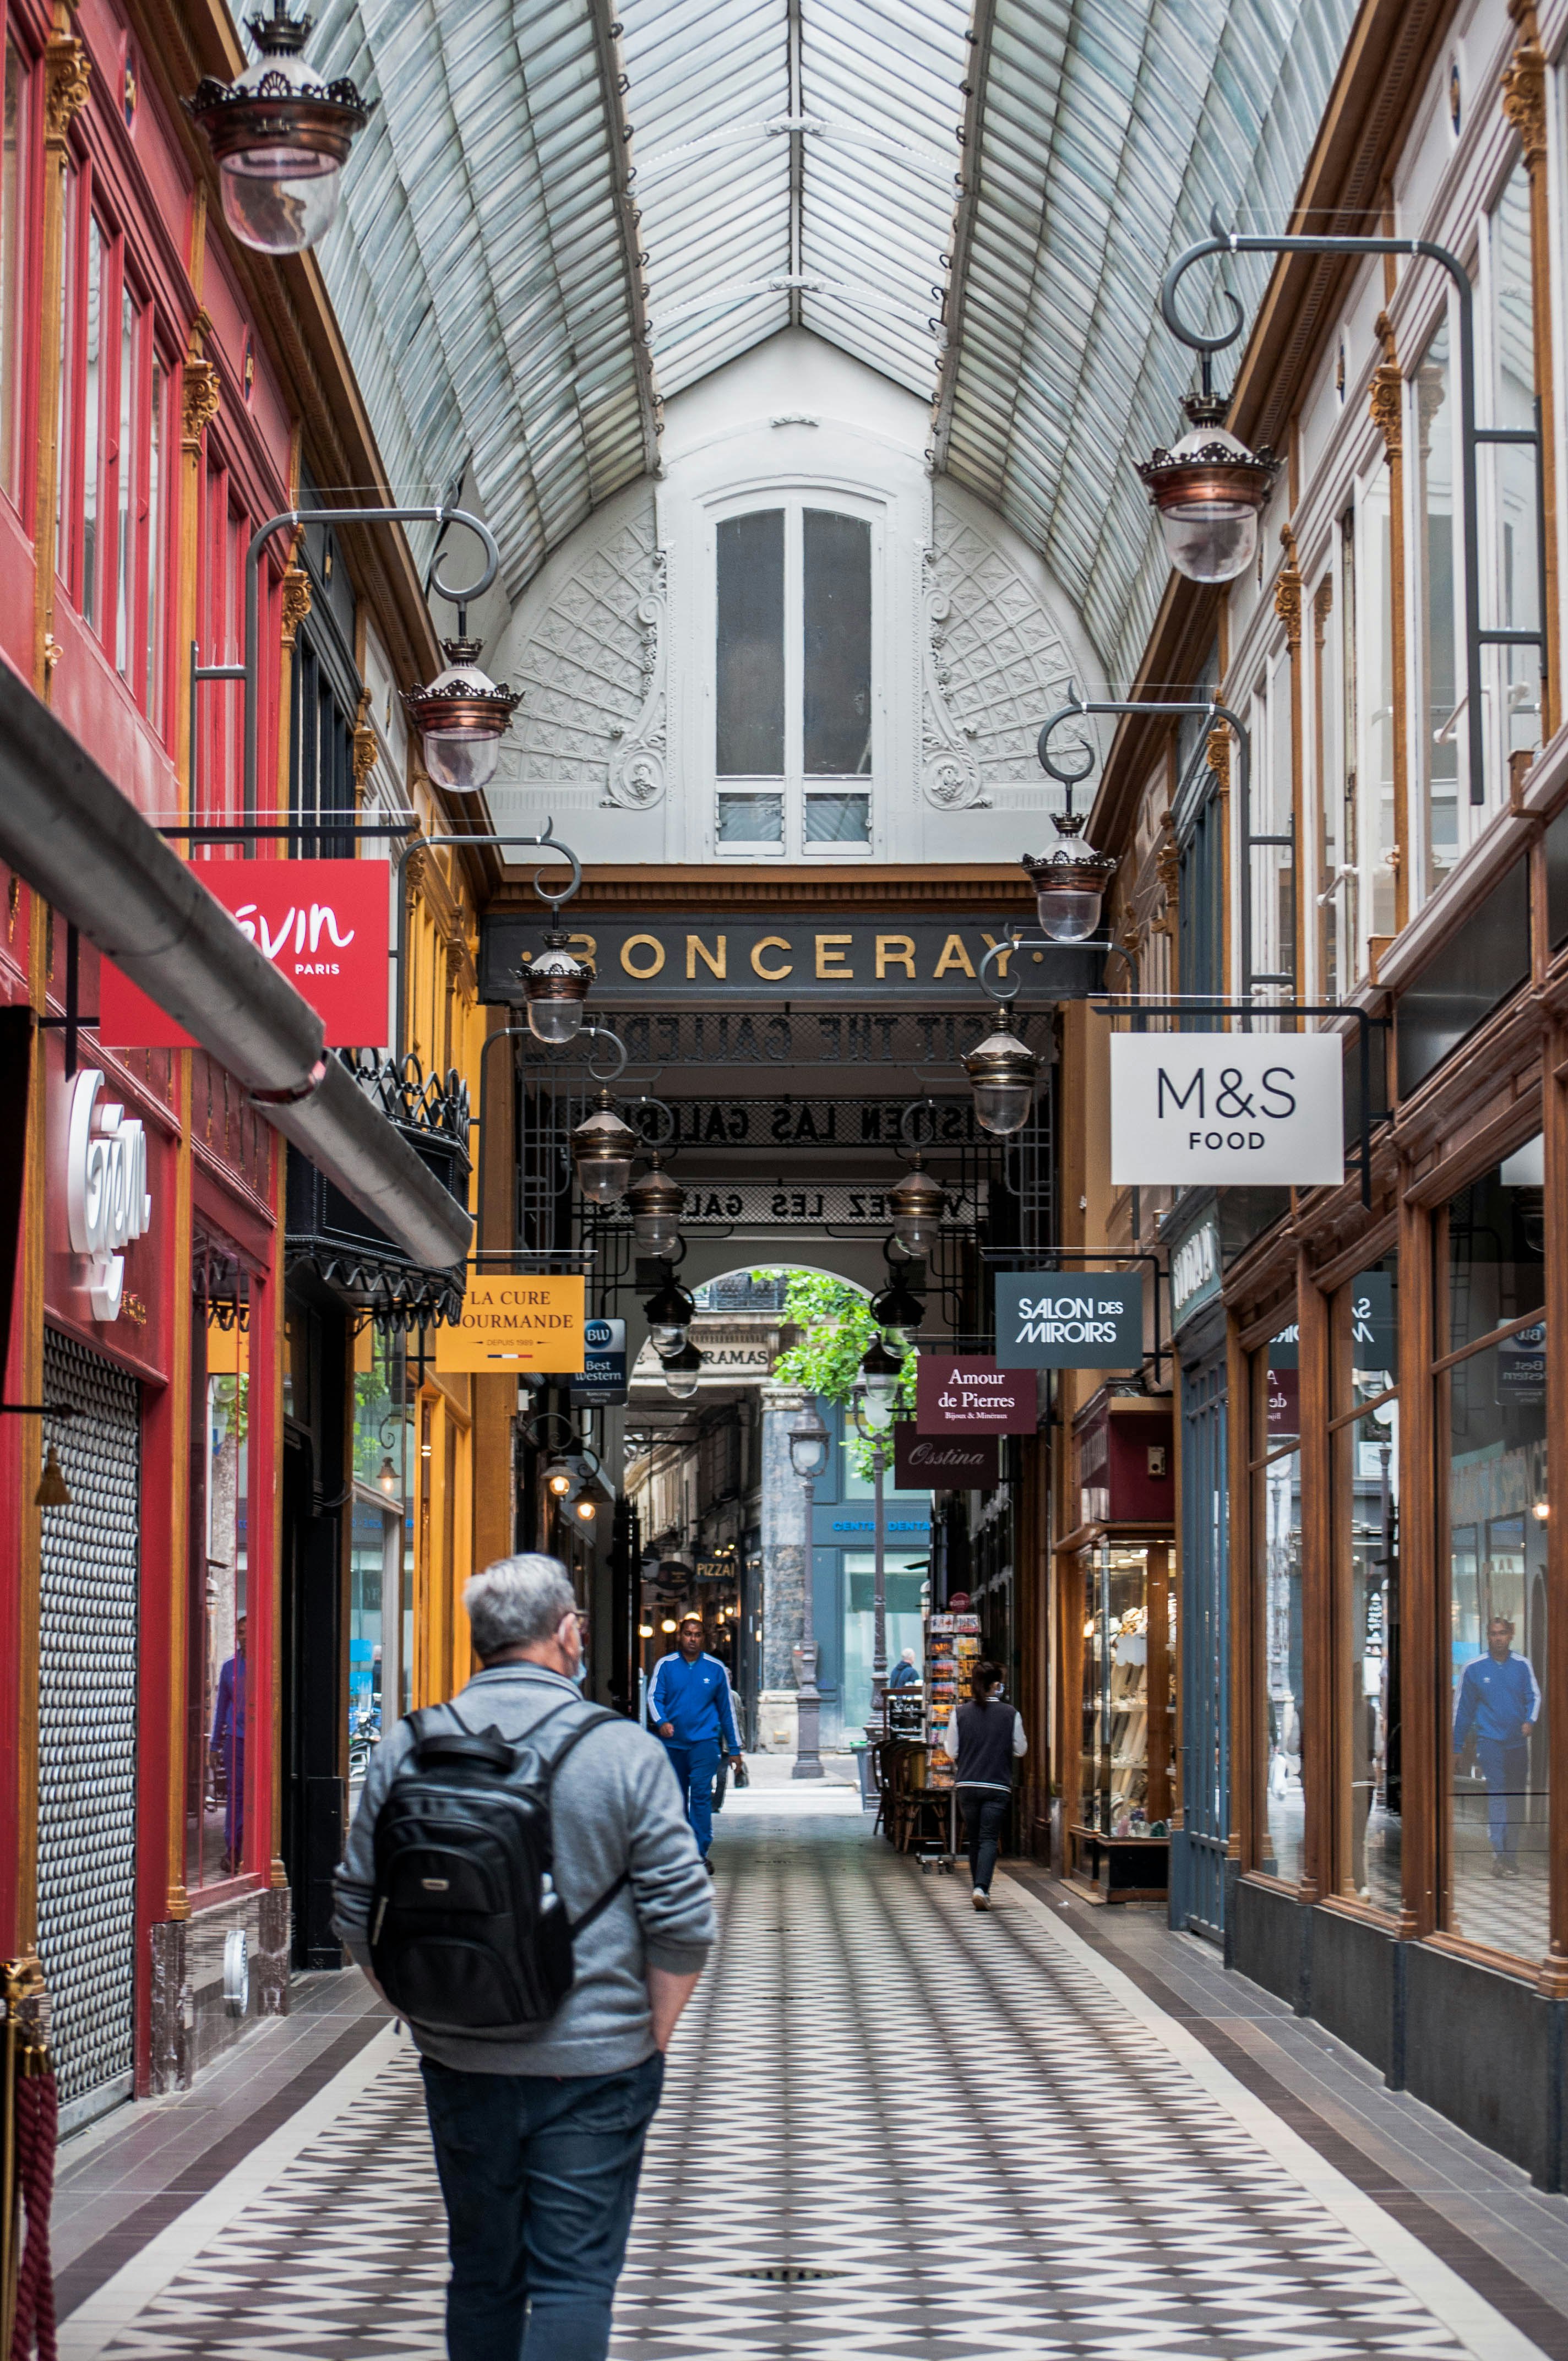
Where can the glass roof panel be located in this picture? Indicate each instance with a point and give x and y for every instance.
(799, 162)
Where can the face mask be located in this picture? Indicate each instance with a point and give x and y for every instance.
(998, 1692)
(580, 1675)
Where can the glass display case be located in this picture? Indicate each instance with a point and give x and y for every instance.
(1119, 1842)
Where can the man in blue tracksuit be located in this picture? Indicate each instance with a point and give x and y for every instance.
(1496, 1708)
(689, 1706)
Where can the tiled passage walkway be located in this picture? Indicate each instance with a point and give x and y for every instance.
(894, 2129)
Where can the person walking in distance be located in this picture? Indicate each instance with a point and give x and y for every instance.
(984, 1738)
(1496, 1711)
(689, 1705)
(520, 1883)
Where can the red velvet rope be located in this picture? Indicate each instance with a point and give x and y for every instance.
(38, 2129)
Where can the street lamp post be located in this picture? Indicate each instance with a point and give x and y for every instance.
(808, 1457)
(876, 1396)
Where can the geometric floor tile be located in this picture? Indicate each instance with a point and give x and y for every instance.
(892, 2130)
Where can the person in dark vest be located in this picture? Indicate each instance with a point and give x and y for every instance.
(984, 1738)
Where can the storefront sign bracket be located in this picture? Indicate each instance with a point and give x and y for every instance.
(1371, 1117)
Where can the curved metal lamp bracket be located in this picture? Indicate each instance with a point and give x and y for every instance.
(663, 1143)
(603, 1033)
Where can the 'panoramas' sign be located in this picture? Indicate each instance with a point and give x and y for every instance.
(1058, 1320)
(518, 1322)
(1227, 1108)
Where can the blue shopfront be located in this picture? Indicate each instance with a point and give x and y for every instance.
(843, 1575)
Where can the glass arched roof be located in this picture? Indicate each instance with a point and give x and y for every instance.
(560, 215)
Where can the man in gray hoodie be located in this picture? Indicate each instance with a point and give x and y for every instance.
(539, 2142)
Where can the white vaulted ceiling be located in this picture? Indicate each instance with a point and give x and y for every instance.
(558, 217)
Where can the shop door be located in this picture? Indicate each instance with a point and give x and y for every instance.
(87, 1729)
(1197, 1848)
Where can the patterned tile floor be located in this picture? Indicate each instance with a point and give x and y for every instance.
(895, 2130)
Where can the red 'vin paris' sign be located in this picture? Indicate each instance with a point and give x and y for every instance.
(325, 925)
(944, 1463)
(966, 1393)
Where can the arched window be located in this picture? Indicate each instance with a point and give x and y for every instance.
(794, 738)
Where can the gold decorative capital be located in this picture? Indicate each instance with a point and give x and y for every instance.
(413, 873)
(1218, 753)
(204, 397)
(296, 604)
(1322, 607)
(1287, 591)
(364, 745)
(1387, 402)
(1524, 95)
(67, 72)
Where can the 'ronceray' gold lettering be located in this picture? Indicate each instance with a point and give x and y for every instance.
(830, 959)
(772, 974)
(697, 948)
(953, 955)
(893, 950)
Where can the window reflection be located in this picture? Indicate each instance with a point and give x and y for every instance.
(1365, 1460)
(1492, 1412)
(1278, 1505)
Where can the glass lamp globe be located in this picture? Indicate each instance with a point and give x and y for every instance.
(682, 1371)
(461, 719)
(603, 1149)
(1001, 1070)
(655, 1203)
(879, 1373)
(669, 1311)
(1069, 883)
(1210, 491)
(554, 986)
(916, 1208)
(281, 138)
(900, 1313)
(808, 1445)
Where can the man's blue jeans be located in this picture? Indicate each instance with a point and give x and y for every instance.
(540, 2174)
(697, 1768)
(1506, 1770)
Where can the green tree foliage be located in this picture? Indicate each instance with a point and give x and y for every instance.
(836, 1328)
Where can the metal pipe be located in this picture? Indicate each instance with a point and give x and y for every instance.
(67, 828)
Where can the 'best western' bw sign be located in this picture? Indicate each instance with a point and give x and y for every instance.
(1057, 1320)
(1227, 1108)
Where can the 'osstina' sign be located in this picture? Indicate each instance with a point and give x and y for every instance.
(1227, 1108)
(515, 1322)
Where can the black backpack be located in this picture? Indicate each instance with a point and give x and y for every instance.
(468, 1933)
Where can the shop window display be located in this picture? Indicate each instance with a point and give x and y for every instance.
(1127, 1760)
(1366, 1461)
(1276, 1499)
(1491, 1412)
(905, 1587)
(216, 1689)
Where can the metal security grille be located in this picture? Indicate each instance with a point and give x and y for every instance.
(87, 1725)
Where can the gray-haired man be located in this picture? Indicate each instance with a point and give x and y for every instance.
(539, 2142)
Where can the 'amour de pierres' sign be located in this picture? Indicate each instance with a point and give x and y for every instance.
(1227, 1108)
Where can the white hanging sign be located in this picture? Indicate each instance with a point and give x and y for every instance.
(106, 1201)
(1227, 1108)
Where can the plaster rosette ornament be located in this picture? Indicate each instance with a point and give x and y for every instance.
(281, 138)
(461, 719)
(1210, 491)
